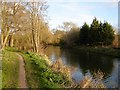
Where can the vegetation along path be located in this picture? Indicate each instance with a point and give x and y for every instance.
(22, 79)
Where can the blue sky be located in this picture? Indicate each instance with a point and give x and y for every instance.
(79, 11)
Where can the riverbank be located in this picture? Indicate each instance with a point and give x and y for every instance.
(100, 50)
(41, 73)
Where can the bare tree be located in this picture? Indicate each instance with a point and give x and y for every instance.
(5, 28)
(37, 10)
(10, 21)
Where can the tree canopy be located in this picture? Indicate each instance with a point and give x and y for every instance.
(97, 34)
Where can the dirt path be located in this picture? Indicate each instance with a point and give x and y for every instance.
(22, 79)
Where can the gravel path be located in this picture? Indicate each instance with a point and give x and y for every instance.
(22, 78)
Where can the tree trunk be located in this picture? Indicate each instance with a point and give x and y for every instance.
(5, 40)
(11, 40)
(33, 34)
(2, 37)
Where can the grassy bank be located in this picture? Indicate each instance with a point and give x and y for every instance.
(40, 75)
(10, 68)
(101, 50)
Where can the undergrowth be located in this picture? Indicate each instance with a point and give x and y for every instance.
(40, 75)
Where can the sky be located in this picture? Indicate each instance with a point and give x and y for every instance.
(80, 11)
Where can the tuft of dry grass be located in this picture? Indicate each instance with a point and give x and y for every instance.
(59, 66)
(94, 81)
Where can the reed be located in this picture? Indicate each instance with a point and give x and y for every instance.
(59, 66)
(94, 81)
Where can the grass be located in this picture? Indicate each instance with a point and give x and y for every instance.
(10, 68)
(101, 50)
(39, 73)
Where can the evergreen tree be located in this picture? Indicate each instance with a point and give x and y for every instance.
(100, 34)
(108, 34)
(97, 34)
(94, 32)
(84, 31)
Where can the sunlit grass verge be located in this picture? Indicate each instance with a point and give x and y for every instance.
(10, 69)
(39, 73)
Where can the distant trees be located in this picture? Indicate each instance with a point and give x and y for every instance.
(67, 26)
(57, 36)
(63, 34)
(97, 34)
(68, 35)
(71, 38)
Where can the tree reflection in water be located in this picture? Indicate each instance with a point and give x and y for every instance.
(85, 62)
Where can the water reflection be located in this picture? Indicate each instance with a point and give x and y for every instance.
(90, 61)
(86, 63)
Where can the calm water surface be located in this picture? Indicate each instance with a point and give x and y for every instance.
(87, 63)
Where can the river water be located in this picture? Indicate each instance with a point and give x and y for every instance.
(87, 63)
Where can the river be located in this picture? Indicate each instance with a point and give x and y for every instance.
(87, 63)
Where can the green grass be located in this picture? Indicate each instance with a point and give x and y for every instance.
(10, 68)
(101, 50)
(40, 75)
